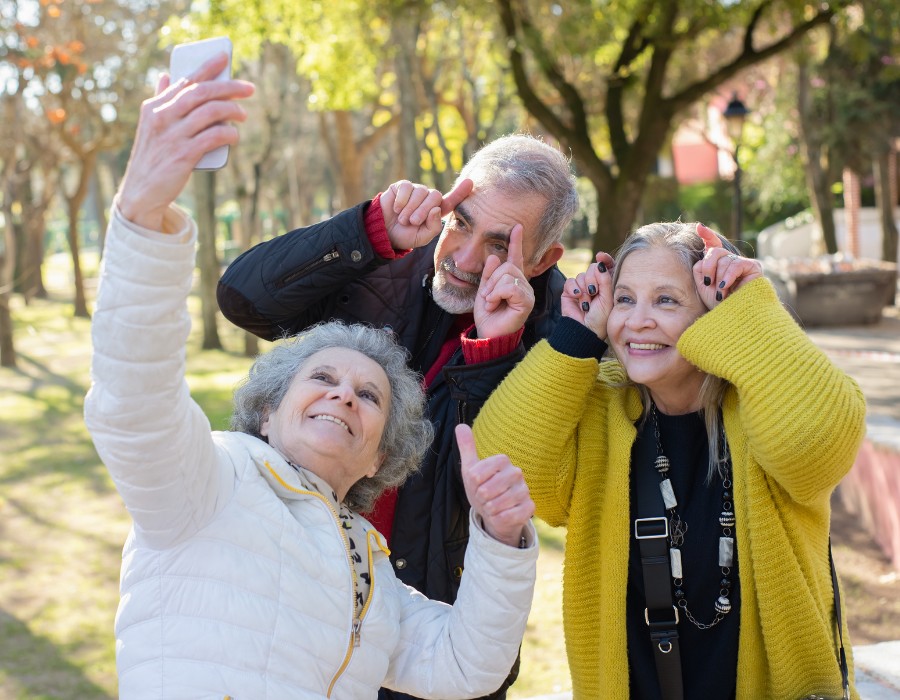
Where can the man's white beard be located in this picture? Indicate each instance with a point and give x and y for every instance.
(450, 298)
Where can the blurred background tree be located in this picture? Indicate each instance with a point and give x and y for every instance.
(354, 95)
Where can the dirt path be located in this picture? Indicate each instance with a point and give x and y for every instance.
(871, 586)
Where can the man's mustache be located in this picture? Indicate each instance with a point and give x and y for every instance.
(448, 265)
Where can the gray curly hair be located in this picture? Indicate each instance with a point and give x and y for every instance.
(407, 433)
(524, 165)
(683, 240)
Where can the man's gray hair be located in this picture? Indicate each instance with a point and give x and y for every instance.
(407, 433)
(525, 166)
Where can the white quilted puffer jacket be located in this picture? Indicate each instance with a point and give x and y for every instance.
(236, 581)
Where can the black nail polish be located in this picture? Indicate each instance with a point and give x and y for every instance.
(592, 289)
(602, 267)
(722, 284)
(585, 306)
(576, 291)
(718, 296)
(707, 281)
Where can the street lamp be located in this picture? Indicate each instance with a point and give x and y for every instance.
(734, 114)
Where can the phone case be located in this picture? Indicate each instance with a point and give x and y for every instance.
(187, 58)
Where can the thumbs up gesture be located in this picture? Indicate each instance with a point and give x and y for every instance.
(496, 490)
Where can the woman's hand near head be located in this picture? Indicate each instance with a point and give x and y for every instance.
(588, 298)
(720, 272)
(496, 490)
(177, 126)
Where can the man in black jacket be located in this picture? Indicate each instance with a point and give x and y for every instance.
(454, 300)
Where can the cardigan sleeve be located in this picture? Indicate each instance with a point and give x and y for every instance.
(803, 418)
(533, 417)
(153, 438)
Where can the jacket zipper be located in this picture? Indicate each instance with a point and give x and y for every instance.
(357, 620)
(330, 256)
(355, 637)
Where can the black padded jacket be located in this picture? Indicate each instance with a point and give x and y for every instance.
(329, 271)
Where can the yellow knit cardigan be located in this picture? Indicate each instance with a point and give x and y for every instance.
(794, 423)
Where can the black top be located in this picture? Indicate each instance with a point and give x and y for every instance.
(708, 657)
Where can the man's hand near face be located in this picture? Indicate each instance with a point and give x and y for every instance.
(412, 213)
(504, 299)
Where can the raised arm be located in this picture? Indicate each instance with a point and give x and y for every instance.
(467, 650)
(153, 438)
(804, 417)
(283, 285)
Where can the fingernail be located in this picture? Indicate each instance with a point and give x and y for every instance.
(585, 306)
(592, 289)
(718, 296)
(602, 267)
(576, 291)
(707, 281)
(722, 284)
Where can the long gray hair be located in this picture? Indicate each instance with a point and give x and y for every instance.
(407, 434)
(525, 166)
(682, 239)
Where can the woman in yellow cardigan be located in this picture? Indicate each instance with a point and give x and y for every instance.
(718, 427)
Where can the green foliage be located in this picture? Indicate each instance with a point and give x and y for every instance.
(857, 87)
(774, 174)
(708, 202)
(338, 45)
(660, 201)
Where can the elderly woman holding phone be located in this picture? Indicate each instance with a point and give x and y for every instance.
(694, 472)
(248, 572)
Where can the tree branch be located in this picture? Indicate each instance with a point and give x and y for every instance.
(747, 58)
(577, 141)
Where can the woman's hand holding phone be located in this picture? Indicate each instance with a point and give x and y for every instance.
(186, 119)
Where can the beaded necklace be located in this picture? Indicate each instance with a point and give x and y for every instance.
(678, 528)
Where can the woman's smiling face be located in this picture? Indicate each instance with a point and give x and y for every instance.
(332, 417)
(654, 301)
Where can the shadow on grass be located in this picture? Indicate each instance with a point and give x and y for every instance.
(45, 376)
(39, 668)
(112, 547)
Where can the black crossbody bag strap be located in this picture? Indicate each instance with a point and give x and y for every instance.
(661, 616)
(842, 656)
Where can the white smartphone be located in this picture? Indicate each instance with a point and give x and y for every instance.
(187, 58)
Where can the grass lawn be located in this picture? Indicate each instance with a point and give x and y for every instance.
(62, 524)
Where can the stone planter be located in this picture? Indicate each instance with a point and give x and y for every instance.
(829, 292)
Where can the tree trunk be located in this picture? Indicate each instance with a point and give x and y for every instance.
(617, 210)
(34, 221)
(405, 31)
(99, 202)
(81, 310)
(88, 162)
(815, 167)
(33, 267)
(852, 203)
(351, 164)
(205, 194)
(7, 255)
(882, 167)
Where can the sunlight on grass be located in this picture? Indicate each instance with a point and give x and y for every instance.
(575, 261)
(544, 667)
